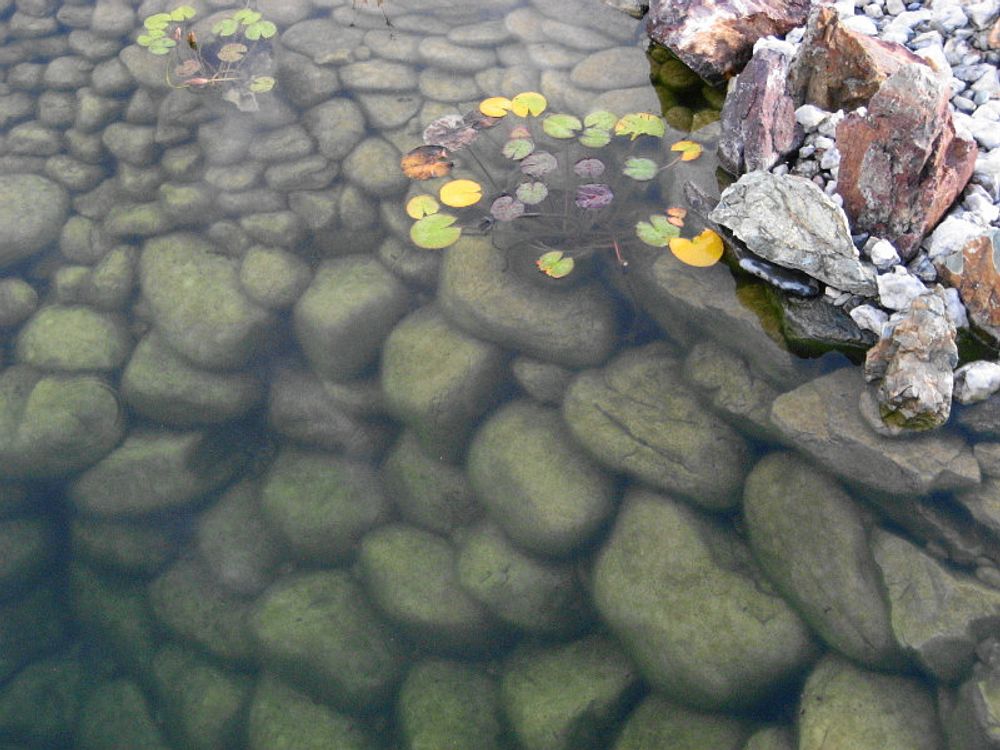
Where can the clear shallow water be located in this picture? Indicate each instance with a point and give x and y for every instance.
(281, 479)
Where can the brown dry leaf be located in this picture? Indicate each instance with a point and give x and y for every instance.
(426, 162)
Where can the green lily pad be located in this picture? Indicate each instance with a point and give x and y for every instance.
(561, 126)
(162, 45)
(435, 231)
(657, 231)
(146, 40)
(157, 22)
(640, 169)
(531, 193)
(261, 84)
(518, 148)
(595, 138)
(225, 27)
(182, 13)
(601, 119)
(232, 52)
(246, 16)
(640, 123)
(260, 30)
(555, 264)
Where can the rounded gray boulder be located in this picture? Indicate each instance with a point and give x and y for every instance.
(32, 212)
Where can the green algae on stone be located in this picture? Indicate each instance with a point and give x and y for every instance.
(72, 338)
(132, 548)
(318, 631)
(117, 715)
(658, 723)
(31, 626)
(29, 548)
(42, 702)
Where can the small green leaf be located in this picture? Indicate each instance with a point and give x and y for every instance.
(657, 231)
(225, 27)
(640, 123)
(157, 22)
(422, 205)
(561, 126)
(435, 232)
(640, 169)
(518, 148)
(246, 16)
(162, 46)
(531, 193)
(595, 138)
(146, 40)
(261, 84)
(182, 13)
(555, 264)
(260, 30)
(601, 119)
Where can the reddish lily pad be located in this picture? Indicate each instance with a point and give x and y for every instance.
(450, 131)
(507, 208)
(593, 196)
(589, 168)
(538, 164)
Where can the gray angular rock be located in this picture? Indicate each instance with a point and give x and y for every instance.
(651, 581)
(913, 366)
(791, 222)
(438, 380)
(937, 615)
(32, 212)
(758, 116)
(411, 576)
(535, 482)
(822, 419)
(812, 542)
(318, 631)
(638, 417)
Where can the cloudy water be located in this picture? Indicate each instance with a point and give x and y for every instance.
(301, 450)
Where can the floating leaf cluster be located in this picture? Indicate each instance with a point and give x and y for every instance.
(533, 196)
(220, 63)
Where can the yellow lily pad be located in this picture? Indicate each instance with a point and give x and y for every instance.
(495, 106)
(461, 193)
(640, 123)
(528, 103)
(689, 150)
(704, 250)
(422, 205)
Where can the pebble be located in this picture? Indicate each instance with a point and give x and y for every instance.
(809, 116)
(896, 290)
(976, 381)
(869, 318)
(883, 254)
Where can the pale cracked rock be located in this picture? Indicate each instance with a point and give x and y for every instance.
(914, 365)
(976, 381)
(790, 221)
(823, 420)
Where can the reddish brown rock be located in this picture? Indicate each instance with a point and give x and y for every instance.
(901, 164)
(758, 117)
(975, 273)
(715, 38)
(837, 68)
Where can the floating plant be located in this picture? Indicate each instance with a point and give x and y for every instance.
(234, 61)
(558, 195)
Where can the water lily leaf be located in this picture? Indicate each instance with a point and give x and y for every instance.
(225, 27)
(601, 119)
(157, 22)
(676, 216)
(595, 138)
(426, 162)
(593, 196)
(519, 131)
(421, 205)
(704, 250)
(162, 46)
(450, 131)
(589, 168)
(187, 68)
(479, 121)
(435, 231)
(507, 208)
(640, 169)
(689, 150)
(232, 52)
(460, 193)
(181, 13)
(532, 193)
(261, 84)
(146, 40)
(528, 103)
(495, 106)
(260, 30)
(555, 264)
(561, 126)
(246, 16)
(538, 164)
(518, 148)
(658, 231)
(640, 123)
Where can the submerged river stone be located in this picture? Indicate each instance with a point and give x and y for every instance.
(538, 486)
(478, 291)
(318, 631)
(843, 706)
(52, 425)
(822, 419)
(72, 338)
(637, 416)
(198, 305)
(659, 723)
(32, 212)
(438, 380)
(812, 542)
(681, 595)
